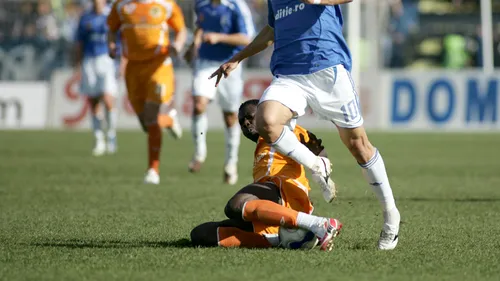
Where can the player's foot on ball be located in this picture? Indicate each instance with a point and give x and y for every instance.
(152, 177)
(99, 149)
(176, 129)
(321, 176)
(230, 174)
(195, 166)
(389, 235)
(111, 147)
(326, 231)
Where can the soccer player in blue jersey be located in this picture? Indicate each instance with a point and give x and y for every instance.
(98, 74)
(311, 66)
(223, 27)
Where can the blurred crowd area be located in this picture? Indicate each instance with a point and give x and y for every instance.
(36, 36)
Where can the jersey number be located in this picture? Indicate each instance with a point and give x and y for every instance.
(350, 110)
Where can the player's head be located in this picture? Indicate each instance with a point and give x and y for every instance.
(246, 117)
(99, 2)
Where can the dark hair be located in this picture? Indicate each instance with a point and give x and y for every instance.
(249, 102)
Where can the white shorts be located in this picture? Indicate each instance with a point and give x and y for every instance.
(98, 76)
(330, 94)
(230, 90)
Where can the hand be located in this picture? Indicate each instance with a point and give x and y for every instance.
(211, 38)
(173, 51)
(224, 69)
(314, 144)
(113, 50)
(191, 54)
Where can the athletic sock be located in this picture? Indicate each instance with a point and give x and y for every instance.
(154, 147)
(199, 130)
(235, 237)
(232, 137)
(375, 174)
(269, 213)
(97, 128)
(288, 144)
(112, 120)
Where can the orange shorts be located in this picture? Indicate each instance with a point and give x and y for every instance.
(294, 195)
(151, 81)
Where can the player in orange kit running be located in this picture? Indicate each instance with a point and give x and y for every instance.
(149, 75)
(278, 197)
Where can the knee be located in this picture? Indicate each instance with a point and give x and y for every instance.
(268, 125)
(204, 235)
(234, 207)
(199, 107)
(361, 148)
(150, 114)
(230, 119)
(108, 102)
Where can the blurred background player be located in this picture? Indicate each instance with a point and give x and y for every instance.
(278, 197)
(98, 74)
(149, 75)
(223, 27)
(311, 66)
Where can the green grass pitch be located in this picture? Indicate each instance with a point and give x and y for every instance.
(65, 215)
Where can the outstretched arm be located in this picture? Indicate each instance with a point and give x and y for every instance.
(264, 39)
(326, 2)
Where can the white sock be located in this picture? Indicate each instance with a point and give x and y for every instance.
(288, 144)
(312, 223)
(112, 120)
(232, 135)
(376, 176)
(97, 128)
(199, 129)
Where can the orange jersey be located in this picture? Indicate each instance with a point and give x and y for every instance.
(270, 163)
(144, 26)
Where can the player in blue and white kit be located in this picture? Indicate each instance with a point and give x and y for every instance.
(98, 74)
(223, 27)
(311, 66)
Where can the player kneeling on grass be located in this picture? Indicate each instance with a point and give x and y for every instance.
(278, 197)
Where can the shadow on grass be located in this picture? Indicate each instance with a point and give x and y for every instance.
(77, 244)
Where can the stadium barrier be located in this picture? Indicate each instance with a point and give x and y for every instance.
(23, 105)
(455, 101)
(444, 101)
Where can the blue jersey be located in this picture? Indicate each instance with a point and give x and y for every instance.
(92, 33)
(230, 17)
(307, 38)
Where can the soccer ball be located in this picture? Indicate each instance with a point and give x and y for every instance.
(297, 238)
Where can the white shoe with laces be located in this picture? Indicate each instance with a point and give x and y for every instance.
(389, 235)
(321, 176)
(326, 230)
(230, 174)
(152, 177)
(111, 147)
(176, 129)
(99, 148)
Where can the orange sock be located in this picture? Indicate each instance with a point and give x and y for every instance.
(235, 237)
(154, 146)
(165, 121)
(269, 213)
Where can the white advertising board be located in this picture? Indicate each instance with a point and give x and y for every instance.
(23, 105)
(444, 101)
(70, 110)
